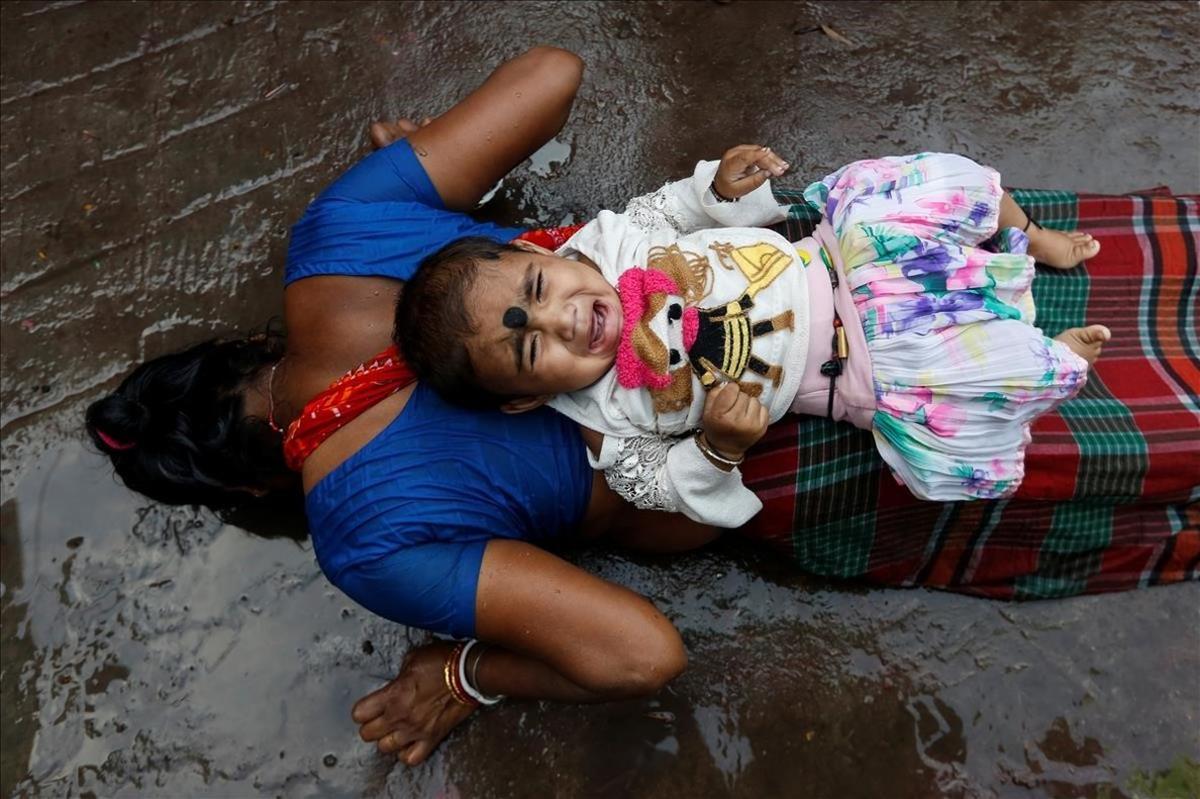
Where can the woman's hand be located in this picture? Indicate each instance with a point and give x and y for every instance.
(733, 420)
(411, 715)
(744, 168)
(382, 133)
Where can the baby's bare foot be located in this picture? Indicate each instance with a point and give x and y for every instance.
(1061, 250)
(1086, 342)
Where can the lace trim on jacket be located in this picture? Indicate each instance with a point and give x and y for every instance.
(638, 473)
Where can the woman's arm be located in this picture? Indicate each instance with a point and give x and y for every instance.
(558, 632)
(336, 322)
(591, 641)
(519, 107)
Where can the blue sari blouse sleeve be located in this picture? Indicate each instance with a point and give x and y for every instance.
(379, 219)
(431, 586)
(393, 174)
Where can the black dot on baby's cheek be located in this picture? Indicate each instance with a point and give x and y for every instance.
(674, 312)
(515, 318)
(674, 357)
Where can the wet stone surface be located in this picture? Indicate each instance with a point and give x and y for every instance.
(153, 157)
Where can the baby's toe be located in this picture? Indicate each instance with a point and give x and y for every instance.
(1093, 337)
(1084, 248)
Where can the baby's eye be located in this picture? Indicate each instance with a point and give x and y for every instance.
(539, 287)
(533, 348)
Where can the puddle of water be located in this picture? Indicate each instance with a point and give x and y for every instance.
(553, 155)
(159, 650)
(155, 651)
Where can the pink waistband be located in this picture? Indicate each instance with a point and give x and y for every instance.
(854, 390)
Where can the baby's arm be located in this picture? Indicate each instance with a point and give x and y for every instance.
(696, 475)
(674, 475)
(735, 192)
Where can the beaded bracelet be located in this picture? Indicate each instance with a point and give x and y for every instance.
(721, 198)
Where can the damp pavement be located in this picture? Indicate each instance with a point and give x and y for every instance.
(153, 156)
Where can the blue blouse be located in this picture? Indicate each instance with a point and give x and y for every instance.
(400, 526)
(379, 220)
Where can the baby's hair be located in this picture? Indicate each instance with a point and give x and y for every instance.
(433, 322)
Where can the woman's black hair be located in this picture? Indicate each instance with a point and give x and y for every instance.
(176, 431)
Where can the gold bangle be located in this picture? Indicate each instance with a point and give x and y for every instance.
(709, 452)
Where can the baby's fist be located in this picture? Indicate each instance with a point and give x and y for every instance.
(744, 168)
(733, 421)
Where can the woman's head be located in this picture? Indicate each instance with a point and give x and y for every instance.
(176, 429)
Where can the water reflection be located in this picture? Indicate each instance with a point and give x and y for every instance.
(167, 651)
(18, 653)
(159, 650)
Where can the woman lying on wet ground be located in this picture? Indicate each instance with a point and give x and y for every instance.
(426, 513)
(429, 515)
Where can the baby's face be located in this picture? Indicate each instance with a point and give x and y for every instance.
(543, 324)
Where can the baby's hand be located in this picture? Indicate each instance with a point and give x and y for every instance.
(744, 168)
(733, 421)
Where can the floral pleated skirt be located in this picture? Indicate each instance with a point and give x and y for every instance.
(960, 371)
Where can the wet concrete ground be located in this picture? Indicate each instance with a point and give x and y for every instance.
(153, 156)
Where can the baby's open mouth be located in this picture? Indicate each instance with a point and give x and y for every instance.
(598, 338)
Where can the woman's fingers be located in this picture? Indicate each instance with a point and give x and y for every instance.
(416, 753)
(394, 743)
(370, 706)
(385, 132)
(377, 729)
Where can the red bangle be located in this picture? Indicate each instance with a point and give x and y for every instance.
(450, 672)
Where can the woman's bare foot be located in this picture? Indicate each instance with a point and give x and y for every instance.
(1086, 342)
(1060, 250)
(384, 133)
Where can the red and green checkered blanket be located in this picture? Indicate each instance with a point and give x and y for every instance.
(1111, 497)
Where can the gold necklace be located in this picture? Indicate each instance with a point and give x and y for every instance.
(271, 398)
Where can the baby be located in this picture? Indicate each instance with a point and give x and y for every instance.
(680, 328)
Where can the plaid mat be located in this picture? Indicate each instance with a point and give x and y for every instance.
(1111, 497)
